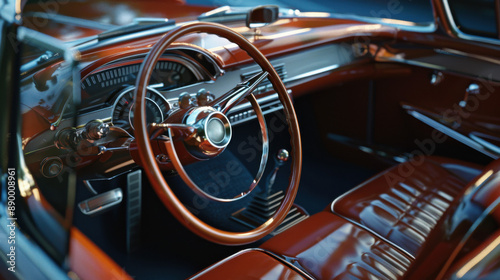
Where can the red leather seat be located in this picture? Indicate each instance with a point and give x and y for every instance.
(394, 226)
(404, 204)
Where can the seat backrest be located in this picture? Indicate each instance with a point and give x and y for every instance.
(471, 223)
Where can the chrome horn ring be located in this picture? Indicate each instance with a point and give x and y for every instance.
(216, 115)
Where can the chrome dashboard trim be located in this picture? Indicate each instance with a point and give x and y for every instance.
(312, 73)
(449, 51)
(412, 62)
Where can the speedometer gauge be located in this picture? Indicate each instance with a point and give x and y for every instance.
(157, 108)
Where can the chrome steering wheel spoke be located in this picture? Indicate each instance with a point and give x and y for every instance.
(238, 93)
(178, 131)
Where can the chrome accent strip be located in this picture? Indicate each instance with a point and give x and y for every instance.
(312, 73)
(452, 133)
(412, 62)
(449, 51)
(486, 144)
(460, 33)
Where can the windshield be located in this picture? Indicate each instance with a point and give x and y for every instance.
(117, 13)
(419, 11)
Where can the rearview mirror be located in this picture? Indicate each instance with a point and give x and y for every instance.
(262, 16)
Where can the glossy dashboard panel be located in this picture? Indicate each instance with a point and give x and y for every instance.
(108, 83)
(323, 60)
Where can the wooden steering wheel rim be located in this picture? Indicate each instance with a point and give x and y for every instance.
(152, 169)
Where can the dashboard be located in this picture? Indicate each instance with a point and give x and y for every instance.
(103, 130)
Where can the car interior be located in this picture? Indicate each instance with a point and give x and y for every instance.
(260, 143)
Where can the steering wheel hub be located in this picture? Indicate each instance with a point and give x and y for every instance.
(213, 132)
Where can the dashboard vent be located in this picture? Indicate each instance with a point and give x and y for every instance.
(265, 85)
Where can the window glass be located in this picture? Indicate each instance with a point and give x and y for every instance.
(475, 17)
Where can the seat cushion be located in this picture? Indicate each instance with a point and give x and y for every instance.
(404, 204)
(329, 247)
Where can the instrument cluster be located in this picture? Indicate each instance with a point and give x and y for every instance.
(157, 108)
(112, 86)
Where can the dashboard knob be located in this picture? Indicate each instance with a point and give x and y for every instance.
(282, 155)
(50, 167)
(95, 130)
(184, 100)
(66, 139)
(203, 97)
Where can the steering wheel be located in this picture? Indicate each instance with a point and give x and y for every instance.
(204, 132)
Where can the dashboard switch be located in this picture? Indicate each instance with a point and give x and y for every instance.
(95, 130)
(66, 139)
(203, 97)
(184, 100)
